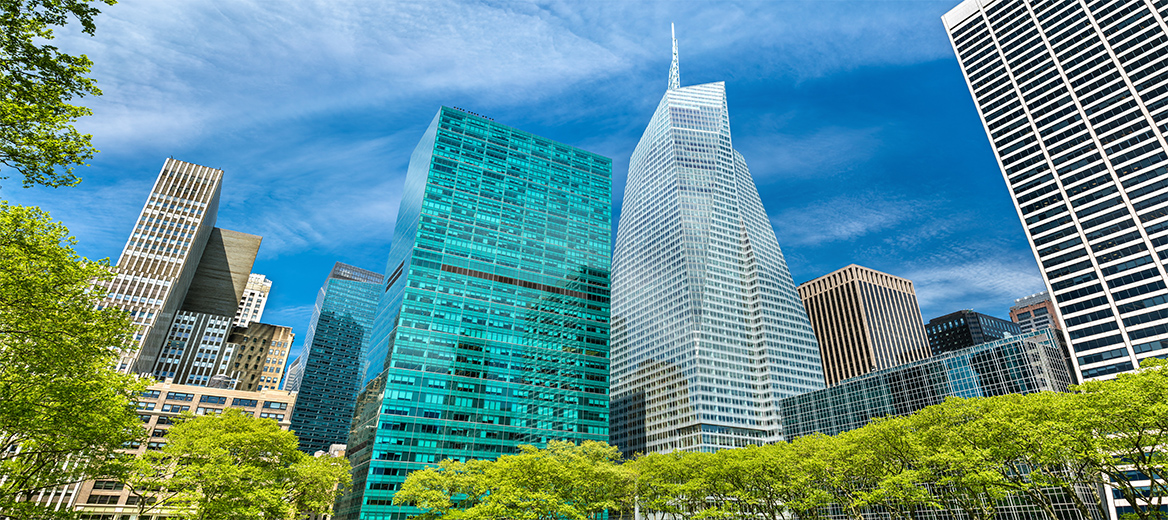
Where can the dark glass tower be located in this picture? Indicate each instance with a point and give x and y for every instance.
(334, 351)
(966, 328)
(493, 328)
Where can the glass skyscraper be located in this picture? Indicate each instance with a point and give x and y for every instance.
(708, 329)
(493, 327)
(334, 351)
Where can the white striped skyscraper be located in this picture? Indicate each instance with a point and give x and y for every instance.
(1072, 96)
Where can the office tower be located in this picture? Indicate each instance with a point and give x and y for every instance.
(255, 298)
(294, 374)
(160, 406)
(194, 349)
(259, 352)
(964, 329)
(708, 330)
(493, 331)
(1034, 312)
(864, 320)
(1071, 95)
(1019, 364)
(334, 350)
(159, 259)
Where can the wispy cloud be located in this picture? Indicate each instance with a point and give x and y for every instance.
(848, 217)
(986, 280)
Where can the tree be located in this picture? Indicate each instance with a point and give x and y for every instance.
(64, 411)
(562, 481)
(239, 467)
(37, 82)
(1127, 421)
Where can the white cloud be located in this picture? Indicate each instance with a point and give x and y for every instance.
(986, 280)
(847, 217)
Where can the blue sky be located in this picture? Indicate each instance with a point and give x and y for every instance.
(853, 117)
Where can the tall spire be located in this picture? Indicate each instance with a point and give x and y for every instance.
(674, 79)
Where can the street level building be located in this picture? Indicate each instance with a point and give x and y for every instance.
(334, 351)
(864, 320)
(1074, 100)
(493, 328)
(964, 329)
(1017, 365)
(159, 407)
(1034, 312)
(708, 329)
(255, 298)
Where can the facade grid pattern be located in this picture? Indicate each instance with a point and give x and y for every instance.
(159, 259)
(864, 320)
(708, 329)
(1074, 99)
(335, 348)
(493, 328)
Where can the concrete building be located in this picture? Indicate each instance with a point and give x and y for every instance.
(864, 320)
(158, 407)
(964, 329)
(182, 278)
(1074, 100)
(1035, 312)
(493, 328)
(708, 330)
(258, 354)
(253, 301)
(158, 262)
(335, 350)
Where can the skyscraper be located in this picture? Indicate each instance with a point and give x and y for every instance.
(159, 259)
(864, 320)
(493, 328)
(1034, 312)
(334, 350)
(708, 330)
(966, 328)
(1072, 97)
(255, 298)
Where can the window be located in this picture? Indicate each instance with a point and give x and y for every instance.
(179, 396)
(108, 484)
(145, 406)
(151, 394)
(275, 406)
(204, 411)
(243, 402)
(155, 445)
(213, 399)
(103, 499)
(276, 416)
(175, 408)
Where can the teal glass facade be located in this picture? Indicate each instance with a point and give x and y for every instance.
(493, 328)
(334, 351)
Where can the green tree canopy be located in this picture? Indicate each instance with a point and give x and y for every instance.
(37, 82)
(235, 466)
(64, 410)
(562, 482)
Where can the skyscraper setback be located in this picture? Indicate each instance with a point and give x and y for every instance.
(492, 331)
(1073, 99)
(708, 330)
